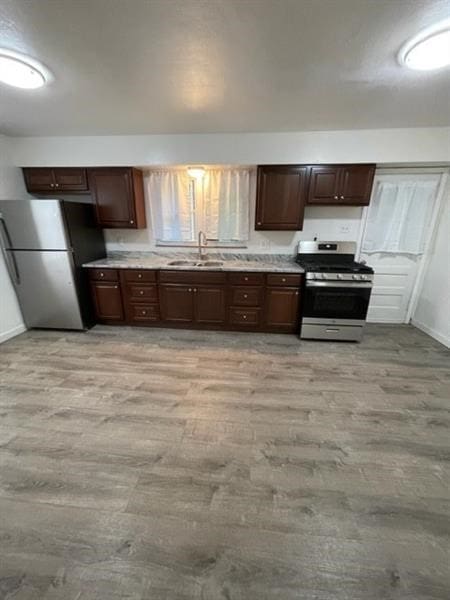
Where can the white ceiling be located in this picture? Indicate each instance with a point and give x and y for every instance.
(200, 66)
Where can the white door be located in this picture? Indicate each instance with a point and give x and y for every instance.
(398, 222)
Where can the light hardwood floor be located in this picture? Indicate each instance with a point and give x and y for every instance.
(173, 465)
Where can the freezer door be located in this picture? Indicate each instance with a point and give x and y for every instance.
(46, 290)
(33, 225)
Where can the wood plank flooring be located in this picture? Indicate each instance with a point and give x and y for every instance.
(151, 464)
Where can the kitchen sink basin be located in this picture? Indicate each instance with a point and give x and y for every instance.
(193, 263)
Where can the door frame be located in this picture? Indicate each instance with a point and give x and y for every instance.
(444, 173)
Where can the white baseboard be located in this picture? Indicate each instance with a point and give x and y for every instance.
(7, 335)
(432, 332)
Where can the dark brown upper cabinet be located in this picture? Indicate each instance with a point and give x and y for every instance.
(341, 185)
(281, 197)
(118, 194)
(70, 180)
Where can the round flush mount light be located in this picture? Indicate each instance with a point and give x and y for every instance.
(21, 71)
(429, 50)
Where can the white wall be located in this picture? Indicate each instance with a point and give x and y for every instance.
(420, 145)
(11, 187)
(432, 312)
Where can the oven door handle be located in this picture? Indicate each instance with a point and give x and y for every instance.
(342, 284)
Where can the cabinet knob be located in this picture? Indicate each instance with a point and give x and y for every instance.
(56, 184)
(52, 185)
(245, 278)
(115, 287)
(140, 276)
(244, 316)
(144, 312)
(296, 293)
(131, 222)
(141, 292)
(259, 223)
(283, 279)
(102, 274)
(336, 197)
(190, 290)
(342, 197)
(245, 296)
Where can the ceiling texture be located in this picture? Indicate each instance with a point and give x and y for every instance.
(210, 66)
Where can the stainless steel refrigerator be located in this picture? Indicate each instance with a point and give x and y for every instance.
(44, 244)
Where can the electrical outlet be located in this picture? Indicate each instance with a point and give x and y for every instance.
(344, 229)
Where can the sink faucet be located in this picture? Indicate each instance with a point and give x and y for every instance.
(202, 242)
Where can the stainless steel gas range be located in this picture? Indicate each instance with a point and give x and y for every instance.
(337, 291)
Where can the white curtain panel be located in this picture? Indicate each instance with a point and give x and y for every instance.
(226, 199)
(171, 206)
(399, 215)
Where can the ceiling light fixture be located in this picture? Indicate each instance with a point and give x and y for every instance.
(429, 50)
(196, 172)
(21, 71)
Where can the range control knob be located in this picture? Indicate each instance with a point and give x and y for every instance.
(324, 276)
(355, 277)
(339, 276)
(363, 277)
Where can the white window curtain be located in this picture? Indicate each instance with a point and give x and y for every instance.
(226, 198)
(171, 206)
(217, 204)
(399, 215)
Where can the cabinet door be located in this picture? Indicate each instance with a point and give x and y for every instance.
(355, 185)
(210, 304)
(70, 180)
(324, 185)
(39, 180)
(112, 192)
(177, 303)
(107, 301)
(282, 309)
(280, 198)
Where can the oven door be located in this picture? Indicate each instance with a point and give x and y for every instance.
(333, 300)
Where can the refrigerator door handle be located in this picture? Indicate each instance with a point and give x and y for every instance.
(9, 256)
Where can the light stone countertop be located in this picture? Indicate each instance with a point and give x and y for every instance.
(277, 263)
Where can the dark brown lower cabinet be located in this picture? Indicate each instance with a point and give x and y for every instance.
(282, 309)
(210, 304)
(177, 303)
(107, 301)
(210, 300)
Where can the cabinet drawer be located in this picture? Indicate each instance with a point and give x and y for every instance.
(104, 274)
(143, 312)
(284, 279)
(138, 275)
(246, 296)
(134, 292)
(248, 317)
(247, 278)
(191, 277)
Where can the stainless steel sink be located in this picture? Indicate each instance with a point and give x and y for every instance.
(210, 263)
(183, 263)
(193, 263)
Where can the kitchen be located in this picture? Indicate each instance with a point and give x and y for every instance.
(218, 348)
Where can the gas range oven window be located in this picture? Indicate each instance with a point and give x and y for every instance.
(336, 302)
